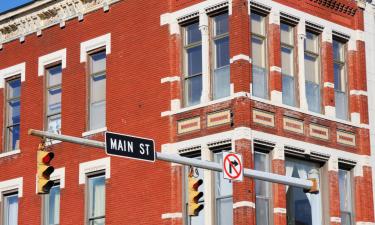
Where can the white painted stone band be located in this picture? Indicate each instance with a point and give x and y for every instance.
(358, 92)
(57, 56)
(279, 210)
(169, 79)
(240, 57)
(329, 85)
(335, 219)
(275, 69)
(171, 215)
(243, 204)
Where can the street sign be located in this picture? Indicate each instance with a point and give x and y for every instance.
(232, 166)
(129, 146)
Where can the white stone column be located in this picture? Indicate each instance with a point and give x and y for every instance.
(301, 30)
(203, 27)
(209, 188)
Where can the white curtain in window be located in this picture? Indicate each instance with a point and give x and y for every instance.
(99, 198)
(11, 210)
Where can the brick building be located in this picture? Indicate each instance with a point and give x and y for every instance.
(281, 83)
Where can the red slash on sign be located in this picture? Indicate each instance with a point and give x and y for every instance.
(232, 166)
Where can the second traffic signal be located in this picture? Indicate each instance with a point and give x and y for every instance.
(194, 195)
(44, 170)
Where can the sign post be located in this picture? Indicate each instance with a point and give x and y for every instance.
(232, 166)
(129, 146)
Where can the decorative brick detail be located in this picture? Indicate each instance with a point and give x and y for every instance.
(263, 118)
(218, 118)
(318, 131)
(189, 125)
(293, 125)
(346, 138)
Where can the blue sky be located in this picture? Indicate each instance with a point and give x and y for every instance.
(9, 4)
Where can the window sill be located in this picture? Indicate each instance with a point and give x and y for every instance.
(201, 105)
(10, 153)
(96, 131)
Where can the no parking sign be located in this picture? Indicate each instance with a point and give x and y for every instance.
(232, 166)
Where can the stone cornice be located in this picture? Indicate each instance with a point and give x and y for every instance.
(43, 14)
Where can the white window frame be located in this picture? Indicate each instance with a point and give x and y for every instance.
(93, 175)
(7, 125)
(10, 186)
(51, 58)
(103, 164)
(103, 41)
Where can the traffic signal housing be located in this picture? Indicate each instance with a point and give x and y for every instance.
(194, 195)
(44, 171)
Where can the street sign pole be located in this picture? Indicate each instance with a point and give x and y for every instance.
(309, 185)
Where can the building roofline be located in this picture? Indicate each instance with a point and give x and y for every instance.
(22, 9)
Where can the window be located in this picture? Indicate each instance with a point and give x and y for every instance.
(301, 207)
(12, 135)
(198, 173)
(193, 64)
(339, 70)
(10, 208)
(53, 99)
(312, 72)
(97, 90)
(262, 190)
(258, 47)
(223, 195)
(345, 190)
(51, 206)
(288, 64)
(96, 199)
(221, 73)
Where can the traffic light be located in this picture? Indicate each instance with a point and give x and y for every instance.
(194, 195)
(44, 170)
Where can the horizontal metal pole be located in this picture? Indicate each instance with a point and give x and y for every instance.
(174, 158)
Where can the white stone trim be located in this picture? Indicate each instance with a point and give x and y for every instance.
(335, 219)
(358, 170)
(240, 57)
(8, 185)
(327, 35)
(278, 140)
(176, 215)
(59, 174)
(40, 15)
(170, 18)
(333, 164)
(96, 131)
(19, 69)
(360, 35)
(274, 17)
(355, 117)
(93, 166)
(175, 104)
(364, 223)
(240, 133)
(56, 56)
(10, 153)
(98, 42)
(277, 97)
(358, 92)
(279, 210)
(329, 84)
(243, 204)
(310, 147)
(275, 69)
(169, 79)
(278, 152)
(330, 111)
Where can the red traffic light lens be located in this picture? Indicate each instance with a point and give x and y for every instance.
(48, 157)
